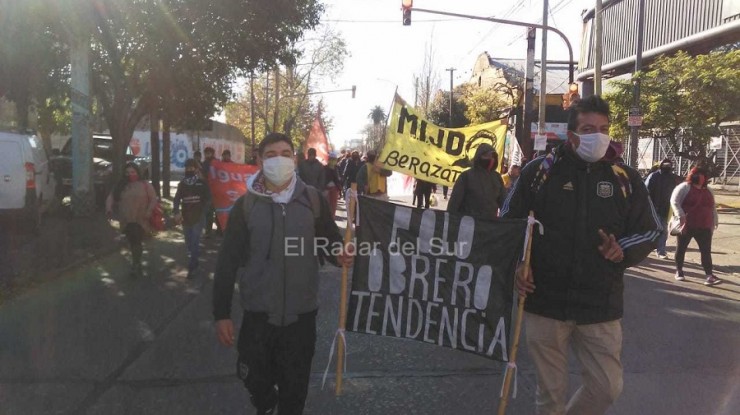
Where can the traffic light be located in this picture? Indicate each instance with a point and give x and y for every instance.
(354, 89)
(571, 97)
(406, 6)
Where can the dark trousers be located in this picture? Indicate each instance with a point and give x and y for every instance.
(135, 236)
(444, 191)
(422, 198)
(192, 242)
(703, 239)
(271, 356)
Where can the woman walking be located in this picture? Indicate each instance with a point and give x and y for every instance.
(134, 200)
(694, 204)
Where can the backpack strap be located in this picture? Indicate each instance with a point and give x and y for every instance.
(250, 199)
(314, 199)
(544, 171)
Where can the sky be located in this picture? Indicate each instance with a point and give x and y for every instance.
(384, 54)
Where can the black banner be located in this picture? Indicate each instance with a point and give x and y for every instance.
(435, 277)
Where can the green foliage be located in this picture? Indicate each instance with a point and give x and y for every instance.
(483, 104)
(175, 57)
(34, 69)
(694, 94)
(324, 53)
(439, 110)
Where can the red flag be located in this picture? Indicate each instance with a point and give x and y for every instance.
(228, 181)
(317, 139)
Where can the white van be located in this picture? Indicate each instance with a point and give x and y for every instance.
(27, 184)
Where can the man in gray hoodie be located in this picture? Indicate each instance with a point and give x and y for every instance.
(273, 238)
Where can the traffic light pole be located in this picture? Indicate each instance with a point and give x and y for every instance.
(571, 66)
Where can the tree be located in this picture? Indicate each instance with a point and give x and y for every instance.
(324, 54)
(439, 110)
(427, 81)
(181, 54)
(484, 104)
(377, 116)
(682, 96)
(34, 70)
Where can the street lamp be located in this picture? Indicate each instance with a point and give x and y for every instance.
(406, 6)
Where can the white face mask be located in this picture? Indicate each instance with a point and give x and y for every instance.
(593, 146)
(278, 170)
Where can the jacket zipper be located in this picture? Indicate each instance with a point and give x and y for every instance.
(285, 279)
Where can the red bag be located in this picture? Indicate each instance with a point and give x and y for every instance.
(156, 221)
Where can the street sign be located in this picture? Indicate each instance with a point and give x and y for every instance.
(635, 117)
(540, 142)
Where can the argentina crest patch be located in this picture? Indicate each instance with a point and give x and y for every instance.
(605, 189)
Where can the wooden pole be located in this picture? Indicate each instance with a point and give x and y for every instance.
(518, 327)
(343, 294)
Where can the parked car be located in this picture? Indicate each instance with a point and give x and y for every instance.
(102, 166)
(27, 182)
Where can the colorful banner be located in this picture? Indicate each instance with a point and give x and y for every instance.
(228, 181)
(418, 148)
(435, 277)
(317, 139)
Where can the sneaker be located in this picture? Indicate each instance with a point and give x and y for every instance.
(679, 276)
(662, 256)
(712, 280)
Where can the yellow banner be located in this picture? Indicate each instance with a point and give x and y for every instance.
(418, 148)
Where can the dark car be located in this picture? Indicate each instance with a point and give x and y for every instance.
(102, 167)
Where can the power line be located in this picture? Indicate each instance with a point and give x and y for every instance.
(389, 21)
(514, 8)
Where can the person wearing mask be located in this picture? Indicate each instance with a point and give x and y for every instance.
(660, 185)
(693, 203)
(510, 177)
(333, 184)
(133, 199)
(598, 221)
(479, 191)
(226, 156)
(351, 169)
(311, 171)
(279, 279)
(194, 197)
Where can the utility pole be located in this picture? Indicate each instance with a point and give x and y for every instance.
(83, 191)
(526, 137)
(543, 71)
(251, 104)
(451, 71)
(598, 47)
(635, 111)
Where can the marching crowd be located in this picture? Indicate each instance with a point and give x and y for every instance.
(600, 218)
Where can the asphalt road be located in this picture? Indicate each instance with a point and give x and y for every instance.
(95, 341)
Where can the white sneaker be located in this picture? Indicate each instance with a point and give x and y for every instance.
(712, 280)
